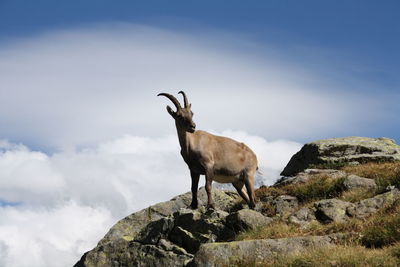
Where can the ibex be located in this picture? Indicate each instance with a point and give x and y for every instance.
(219, 158)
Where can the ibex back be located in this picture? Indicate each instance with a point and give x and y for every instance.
(219, 158)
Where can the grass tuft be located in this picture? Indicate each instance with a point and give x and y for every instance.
(384, 229)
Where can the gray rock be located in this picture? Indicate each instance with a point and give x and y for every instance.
(234, 253)
(369, 206)
(307, 174)
(284, 205)
(187, 240)
(193, 227)
(347, 150)
(155, 231)
(354, 182)
(246, 219)
(303, 217)
(211, 221)
(331, 210)
(169, 246)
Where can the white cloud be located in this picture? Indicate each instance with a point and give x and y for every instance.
(75, 196)
(49, 237)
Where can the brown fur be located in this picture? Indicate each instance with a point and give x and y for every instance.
(218, 158)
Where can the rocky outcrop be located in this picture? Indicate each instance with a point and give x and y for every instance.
(196, 237)
(165, 234)
(128, 228)
(170, 234)
(347, 150)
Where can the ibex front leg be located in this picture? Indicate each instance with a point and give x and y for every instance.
(195, 185)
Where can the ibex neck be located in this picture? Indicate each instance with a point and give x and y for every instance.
(184, 140)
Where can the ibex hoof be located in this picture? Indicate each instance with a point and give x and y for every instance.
(210, 206)
(252, 206)
(193, 206)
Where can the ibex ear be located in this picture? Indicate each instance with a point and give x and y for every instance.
(171, 112)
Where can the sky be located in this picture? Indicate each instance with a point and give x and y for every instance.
(85, 141)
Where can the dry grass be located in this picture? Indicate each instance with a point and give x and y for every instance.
(357, 194)
(384, 229)
(340, 255)
(283, 229)
(277, 229)
(318, 187)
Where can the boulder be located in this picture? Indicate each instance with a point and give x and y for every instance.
(354, 182)
(241, 253)
(347, 150)
(284, 205)
(303, 217)
(246, 219)
(331, 210)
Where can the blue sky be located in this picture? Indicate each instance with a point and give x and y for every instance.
(358, 40)
(85, 141)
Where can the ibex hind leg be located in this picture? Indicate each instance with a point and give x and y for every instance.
(249, 183)
(195, 183)
(239, 186)
(209, 179)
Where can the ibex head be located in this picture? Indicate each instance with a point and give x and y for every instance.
(182, 116)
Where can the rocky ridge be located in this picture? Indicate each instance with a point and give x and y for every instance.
(342, 151)
(170, 234)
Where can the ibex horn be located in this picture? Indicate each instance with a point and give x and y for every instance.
(173, 99)
(185, 100)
